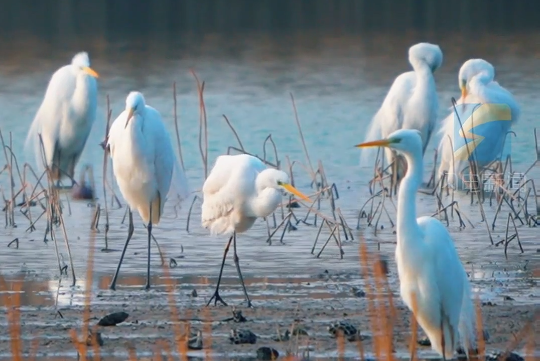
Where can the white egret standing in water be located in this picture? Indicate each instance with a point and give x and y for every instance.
(65, 117)
(411, 103)
(239, 190)
(476, 80)
(430, 272)
(144, 165)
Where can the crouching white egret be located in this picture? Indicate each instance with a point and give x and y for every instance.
(65, 117)
(429, 267)
(411, 103)
(476, 80)
(239, 190)
(143, 164)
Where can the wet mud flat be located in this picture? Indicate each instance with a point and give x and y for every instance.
(307, 306)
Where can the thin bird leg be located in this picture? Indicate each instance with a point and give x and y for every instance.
(131, 228)
(149, 227)
(216, 295)
(237, 263)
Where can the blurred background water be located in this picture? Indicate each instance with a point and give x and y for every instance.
(338, 58)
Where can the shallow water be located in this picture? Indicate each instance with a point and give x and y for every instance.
(338, 84)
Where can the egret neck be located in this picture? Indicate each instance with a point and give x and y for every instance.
(82, 97)
(406, 207)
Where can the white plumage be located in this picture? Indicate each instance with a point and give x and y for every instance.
(476, 80)
(65, 117)
(428, 265)
(239, 190)
(144, 162)
(411, 102)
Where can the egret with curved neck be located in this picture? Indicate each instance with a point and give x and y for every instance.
(430, 272)
(411, 103)
(238, 190)
(476, 80)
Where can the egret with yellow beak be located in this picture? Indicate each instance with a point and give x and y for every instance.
(433, 282)
(64, 120)
(240, 189)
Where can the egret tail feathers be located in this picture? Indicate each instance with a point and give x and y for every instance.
(467, 321)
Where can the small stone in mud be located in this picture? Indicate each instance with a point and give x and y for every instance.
(195, 342)
(508, 298)
(299, 331)
(280, 338)
(496, 356)
(93, 339)
(347, 329)
(239, 336)
(267, 353)
(113, 319)
(357, 292)
(424, 341)
(194, 293)
(237, 316)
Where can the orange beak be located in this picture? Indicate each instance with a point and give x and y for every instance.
(129, 116)
(289, 188)
(375, 143)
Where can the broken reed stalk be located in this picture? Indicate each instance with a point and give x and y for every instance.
(105, 163)
(234, 132)
(312, 171)
(80, 342)
(176, 127)
(203, 125)
(10, 207)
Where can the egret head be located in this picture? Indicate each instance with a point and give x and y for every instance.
(277, 179)
(408, 141)
(134, 104)
(82, 62)
(472, 68)
(427, 53)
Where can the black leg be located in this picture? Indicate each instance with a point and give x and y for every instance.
(237, 263)
(147, 287)
(130, 233)
(216, 295)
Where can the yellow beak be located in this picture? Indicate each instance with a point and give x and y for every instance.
(90, 71)
(289, 188)
(375, 143)
(129, 116)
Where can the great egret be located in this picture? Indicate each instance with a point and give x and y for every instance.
(476, 80)
(239, 190)
(144, 165)
(429, 267)
(411, 103)
(65, 117)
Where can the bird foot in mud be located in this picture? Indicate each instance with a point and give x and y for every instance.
(217, 298)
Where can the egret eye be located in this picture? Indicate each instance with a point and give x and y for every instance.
(279, 183)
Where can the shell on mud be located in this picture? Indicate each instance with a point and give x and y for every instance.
(113, 319)
(239, 336)
(495, 356)
(195, 341)
(349, 331)
(267, 353)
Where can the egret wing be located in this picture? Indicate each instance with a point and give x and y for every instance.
(448, 272)
(48, 119)
(231, 182)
